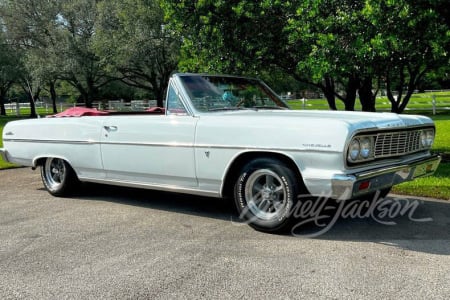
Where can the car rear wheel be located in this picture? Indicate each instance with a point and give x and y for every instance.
(265, 195)
(58, 177)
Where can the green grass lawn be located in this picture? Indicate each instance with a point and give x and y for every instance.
(442, 142)
(419, 103)
(437, 186)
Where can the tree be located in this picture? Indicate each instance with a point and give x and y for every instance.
(308, 40)
(81, 66)
(338, 60)
(59, 34)
(30, 26)
(337, 46)
(413, 39)
(10, 70)
(145, 51)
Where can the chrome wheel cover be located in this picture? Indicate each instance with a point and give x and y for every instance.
(54, 173)
(266, 194)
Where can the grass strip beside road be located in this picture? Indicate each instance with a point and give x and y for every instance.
(438, 185)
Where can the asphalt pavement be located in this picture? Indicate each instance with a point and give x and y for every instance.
(118, 243)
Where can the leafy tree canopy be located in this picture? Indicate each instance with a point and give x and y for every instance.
(342, 47)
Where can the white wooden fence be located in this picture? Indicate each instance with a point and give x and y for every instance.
(434, 104)
(16, 108)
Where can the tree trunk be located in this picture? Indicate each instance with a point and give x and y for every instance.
(89, 101)
(2, 106)
(414, 78)
(33, 113)
(3, 91)
(31, 99)
(32, 96)
(159, 97)
(405, 101)
(352, 88)
(390, 95)
(85, 98)
(2, 103)
(53, 96)
(366, 97)
(328, 91)
(91, 93)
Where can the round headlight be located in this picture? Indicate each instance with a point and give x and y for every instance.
(423, 138)
(366, 147)
(427, 138)
(354, 150)
(430, 138)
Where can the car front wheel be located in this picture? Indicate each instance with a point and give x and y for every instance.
(265, 194)
(58, 177)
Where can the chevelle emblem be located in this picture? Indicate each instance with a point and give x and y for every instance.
(317, 145)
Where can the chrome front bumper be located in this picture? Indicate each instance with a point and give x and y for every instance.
(3, 155)
(349, 186)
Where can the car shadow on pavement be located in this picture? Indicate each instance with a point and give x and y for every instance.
(216, 208)
(404, 222)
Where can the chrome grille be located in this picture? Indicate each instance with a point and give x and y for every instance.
(397, 143)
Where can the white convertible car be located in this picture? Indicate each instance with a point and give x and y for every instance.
(226, 136)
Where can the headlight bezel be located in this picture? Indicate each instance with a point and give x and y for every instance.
(365, 151)
(427, 137)
(366, 145)
(354, 149)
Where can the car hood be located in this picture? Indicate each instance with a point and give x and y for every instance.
(354, 120)
(303, 130)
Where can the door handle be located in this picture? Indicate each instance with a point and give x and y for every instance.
(110, 128)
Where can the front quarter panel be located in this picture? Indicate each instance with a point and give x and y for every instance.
(311, 146)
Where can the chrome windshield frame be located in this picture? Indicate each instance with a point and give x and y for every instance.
(192, 110)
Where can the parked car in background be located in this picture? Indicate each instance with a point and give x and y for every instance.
(227, 136)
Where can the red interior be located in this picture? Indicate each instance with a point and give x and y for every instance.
(83, 111)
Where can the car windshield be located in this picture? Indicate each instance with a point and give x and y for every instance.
(216, 93)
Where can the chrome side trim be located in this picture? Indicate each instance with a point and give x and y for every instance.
(158, 187)
(170, 145)
(179, 145)
(209, 146)
(50, 141)
(255, 148)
